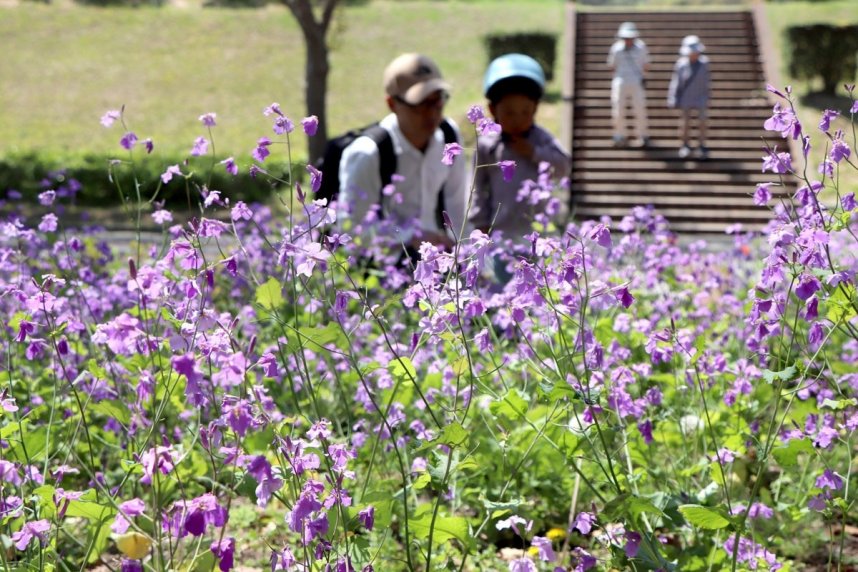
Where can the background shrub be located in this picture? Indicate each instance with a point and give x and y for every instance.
(825, 51)
(540, 46)
(32, 173)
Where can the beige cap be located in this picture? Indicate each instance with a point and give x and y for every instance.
(412, 77)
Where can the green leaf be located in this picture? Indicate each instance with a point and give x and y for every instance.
(839, 404)
(316, 337)
(114, 409)
(782, 375)
(270, 294)
(840, 306)
(703, 517)
(422, 481)
(401, 368)
(787, 455)
(453, 435)
(512, 406)
(444, 528)
(35, 442)
(639, 505)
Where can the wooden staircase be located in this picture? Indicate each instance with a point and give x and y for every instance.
(695, 196)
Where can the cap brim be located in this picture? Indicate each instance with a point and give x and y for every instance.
(420, 91)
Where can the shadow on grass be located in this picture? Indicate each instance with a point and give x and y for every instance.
(821, 100)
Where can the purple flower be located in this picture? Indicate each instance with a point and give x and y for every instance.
(633, 543)
(224, 550)
(186, 365)
(230, 166)
(777, 162)
(725, 455)
(523, 564)
(274, 109)
(367, 517)
(48, 223)
(762, 195)
(475, 113)
(486, 126)
(584, 522)
(208, 119)
(261, 151)
(601, 234)
(829, 480)
(47, 198)
(839, 150)
(507, 169)
(543, 548)
(194, 516)
(130, 565)
(110, 117)
(624, 297)
(128, 140)
(450, 152)
(128, 509)
(283, 124)
(854, 108)
(150, 146)
(157, 459)
(241, 211)
(162, 217)
(585, 560)
(827, 116)
(301, 511)
(201, 147)
(315, 178)
(783, 119)
(36, 528)
(807, 285)
(310, 125)
(167, 175)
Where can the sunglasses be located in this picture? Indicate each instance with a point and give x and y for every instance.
(431, 102)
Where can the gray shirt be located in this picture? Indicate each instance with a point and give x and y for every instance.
(689, 84)
(628, 63)
(495, 200)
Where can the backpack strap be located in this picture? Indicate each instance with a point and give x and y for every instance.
(386, 155)
(450, 136)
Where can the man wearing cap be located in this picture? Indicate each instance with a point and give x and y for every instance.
(689, 90)
(629, 60)
(415, 94)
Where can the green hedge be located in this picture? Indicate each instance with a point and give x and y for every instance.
(99, 183)
(823, 50)
(539, 45)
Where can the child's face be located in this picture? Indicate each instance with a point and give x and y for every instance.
(514, 113)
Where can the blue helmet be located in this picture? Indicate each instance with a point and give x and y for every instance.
(511, 66)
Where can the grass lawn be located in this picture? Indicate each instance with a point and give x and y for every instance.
(169, 65)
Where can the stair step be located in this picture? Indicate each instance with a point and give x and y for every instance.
(652, 191)
(726, 216)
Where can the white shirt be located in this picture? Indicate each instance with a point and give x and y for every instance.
(423, 172)
(628, 63)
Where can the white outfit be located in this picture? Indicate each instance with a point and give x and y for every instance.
(627, 86)
(423, 174)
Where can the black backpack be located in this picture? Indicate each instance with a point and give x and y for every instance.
(329, 162)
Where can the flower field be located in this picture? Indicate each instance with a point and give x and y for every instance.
(283, 393)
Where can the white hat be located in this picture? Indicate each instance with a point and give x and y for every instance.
(691, 44)
(628, 30)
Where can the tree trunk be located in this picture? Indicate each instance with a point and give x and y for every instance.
(315, 92)
(316, 71)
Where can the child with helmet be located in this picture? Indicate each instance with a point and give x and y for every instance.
(514, 85)
(688, 91)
